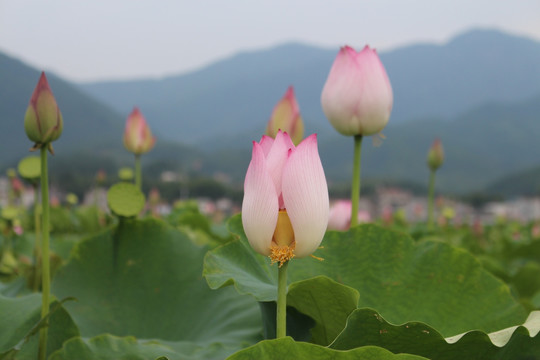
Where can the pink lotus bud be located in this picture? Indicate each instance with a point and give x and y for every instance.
(17, 186)
(154, 197)
(435, 155)
(535, 231)
(101, 177)
(340, 216)
(286, 117)
(357, 97)
(43, 121)
(285, 207)
(137, 137)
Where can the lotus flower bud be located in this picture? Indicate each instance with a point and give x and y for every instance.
(435, 155)
(17, 186)
(357, 98)
(137, 137)
(286, 117)
(43, 121)
(101, 177)
(340, 216)
(285, 206)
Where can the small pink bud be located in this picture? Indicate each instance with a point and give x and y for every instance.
(340, 216)
(101, 177)
(357, 98)
(137, 137)
(154, 197)
(435, 155)
(17, 186)
(286, 117)
(43, 121)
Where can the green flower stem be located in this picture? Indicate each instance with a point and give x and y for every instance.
(138, 171)
(37, 240)
(431, 191)
(355, 189)
(46, 281)
(281, 317)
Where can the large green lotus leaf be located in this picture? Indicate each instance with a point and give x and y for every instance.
(432, 282)
(110, 347)
(20, 322)
(366, 327)
(287, 348)
(327, 302)
(143, 278)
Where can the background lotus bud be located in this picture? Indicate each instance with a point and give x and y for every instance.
(72, 199)
(286, 117)
(435, 155)
(101, 177)
(285, 206)
(17, 186)
(340, 216)
(43, 121)
(137, 136)
(357, 98)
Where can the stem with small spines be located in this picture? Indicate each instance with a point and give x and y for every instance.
(355, 188)
(46, 280)
(281, 314)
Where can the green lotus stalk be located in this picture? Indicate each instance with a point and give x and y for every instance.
(355, 187)
(11, 193)
(43, 124)
(431, 194)
(37, 240)
(138, 171)
(45, 269)
(434, 161)
(281, 315)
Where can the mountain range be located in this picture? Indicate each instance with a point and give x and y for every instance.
(237, 94)
(479, 92)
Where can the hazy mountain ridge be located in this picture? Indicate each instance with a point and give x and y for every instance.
(483, 142)
(237, 94)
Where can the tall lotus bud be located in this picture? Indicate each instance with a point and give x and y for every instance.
(435, 155)
(357, 98)
(43, 121)
(137, 137)
(286, 117)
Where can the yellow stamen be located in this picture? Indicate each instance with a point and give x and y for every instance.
(317, 258)
(283, 244)
(281, 254)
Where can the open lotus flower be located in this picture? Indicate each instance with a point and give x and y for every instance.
(286, 117)
(285, 207)
(357, 98)
(137, 137)
(340, 216)
(43, 121)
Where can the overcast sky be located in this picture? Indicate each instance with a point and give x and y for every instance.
(90, 40)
